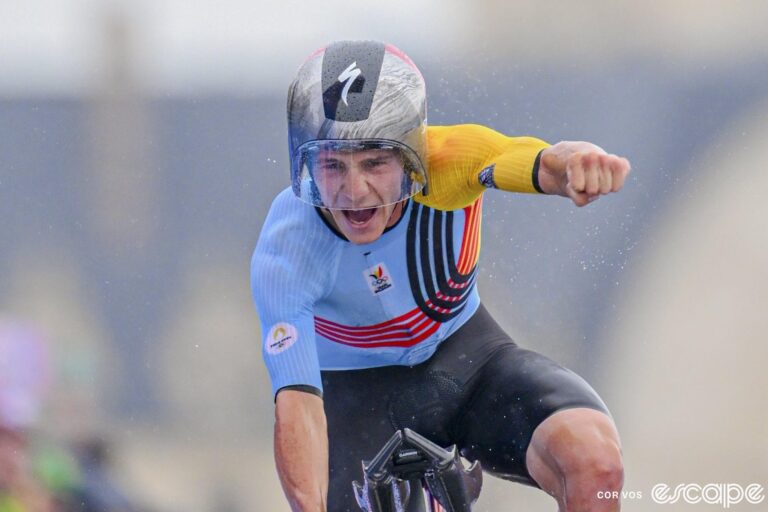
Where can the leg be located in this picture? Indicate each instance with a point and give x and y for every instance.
(522, 396)
(356, 407)
(574, 455)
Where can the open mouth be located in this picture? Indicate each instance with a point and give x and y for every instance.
(359, 217)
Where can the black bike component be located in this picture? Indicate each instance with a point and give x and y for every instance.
(455, 487)
(381, 491)
(440, 457)
(388, 496)
(408, 456)
(377, 467)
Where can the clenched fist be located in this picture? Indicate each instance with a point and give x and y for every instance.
(581, 171)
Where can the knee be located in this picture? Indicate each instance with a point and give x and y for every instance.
(590, 453)
(593, 476)
(584, 449)
(600, 469)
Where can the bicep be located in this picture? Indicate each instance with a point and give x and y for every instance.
(286, 315)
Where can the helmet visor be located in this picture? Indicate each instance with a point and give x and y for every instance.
(356, 174)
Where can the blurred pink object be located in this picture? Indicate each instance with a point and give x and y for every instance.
(24, 374)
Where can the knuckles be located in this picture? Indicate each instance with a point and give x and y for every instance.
(592, 174)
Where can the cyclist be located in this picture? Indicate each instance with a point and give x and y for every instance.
(365, 289)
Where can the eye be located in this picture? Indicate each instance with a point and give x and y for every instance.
(376, 163)
(331, 165)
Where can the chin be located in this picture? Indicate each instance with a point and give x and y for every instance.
(362, 239)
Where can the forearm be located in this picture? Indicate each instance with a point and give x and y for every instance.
(301, 450)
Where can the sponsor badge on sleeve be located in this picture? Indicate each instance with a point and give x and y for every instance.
(280, 338)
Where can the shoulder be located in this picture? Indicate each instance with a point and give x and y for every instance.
(456, 154)
(293, 240)
(286, 207)
(292, 220)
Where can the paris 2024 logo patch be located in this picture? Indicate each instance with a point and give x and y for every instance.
(280, 338)
(378, 278)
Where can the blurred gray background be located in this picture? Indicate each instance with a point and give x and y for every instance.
(141, 144)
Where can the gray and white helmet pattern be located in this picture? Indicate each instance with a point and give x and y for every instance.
(352, 96)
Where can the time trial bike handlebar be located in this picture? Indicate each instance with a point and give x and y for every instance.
(408, 457)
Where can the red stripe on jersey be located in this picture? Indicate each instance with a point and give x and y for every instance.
(394, 323)
(404, 333)
(470, 238)
(405, 343)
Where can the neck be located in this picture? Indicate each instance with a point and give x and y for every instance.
(397, 212)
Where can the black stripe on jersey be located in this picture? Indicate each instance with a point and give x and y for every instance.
(456, 276)
(427, 276)
(428, 273)
(443, 252)
(439, 255)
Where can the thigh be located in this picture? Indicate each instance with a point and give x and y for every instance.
(517, 390)
(357, 408)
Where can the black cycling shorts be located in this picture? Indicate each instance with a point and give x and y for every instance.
(479, 391)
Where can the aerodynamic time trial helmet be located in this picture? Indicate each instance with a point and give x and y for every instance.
(351, 96)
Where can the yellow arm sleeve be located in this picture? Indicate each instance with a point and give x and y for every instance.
(465, 160)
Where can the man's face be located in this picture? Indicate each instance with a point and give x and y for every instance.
(362, 187)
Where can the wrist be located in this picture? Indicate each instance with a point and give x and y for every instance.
(547, 180)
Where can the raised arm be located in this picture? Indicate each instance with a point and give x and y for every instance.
(581, 171)
(466, 160)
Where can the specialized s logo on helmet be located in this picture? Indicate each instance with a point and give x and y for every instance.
(349, 75)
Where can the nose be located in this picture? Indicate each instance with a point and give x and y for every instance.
(356, 185)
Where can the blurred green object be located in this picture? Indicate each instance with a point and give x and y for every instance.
(56, 468)
(10, 504)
